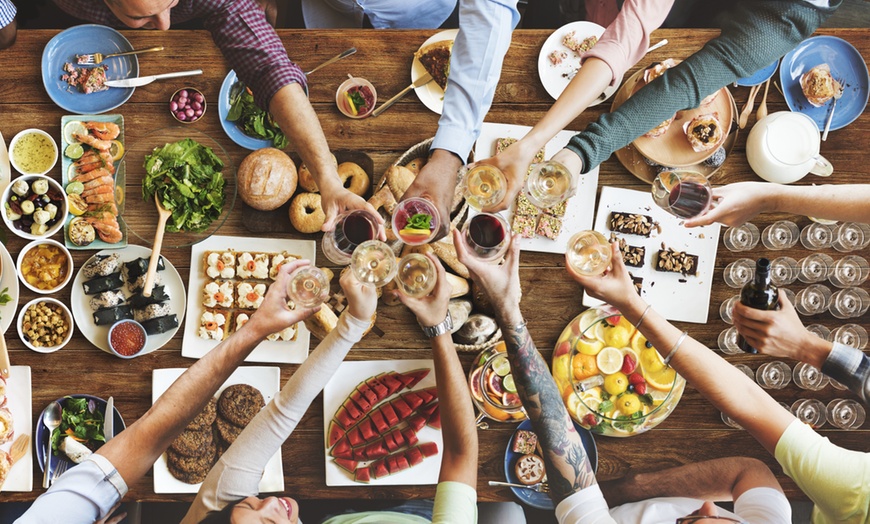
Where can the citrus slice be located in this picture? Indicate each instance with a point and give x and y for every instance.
(589, 346)
(75, 188)
(609, 360)
(74, 151)
(651, 361)
(587, 318)
(617, 336)
(501, 366)
(597, 331)
(823, 221)
(73, 127)
(662, 380)
(509, 384)
(351, 105)
(639, 342)
(71, 172)
(657, 395)
(77, 204)
(116, 150)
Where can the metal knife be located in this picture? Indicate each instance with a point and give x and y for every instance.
(145, 80)
(423, 80)
(109, 419)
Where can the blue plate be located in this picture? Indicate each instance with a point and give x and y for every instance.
(41, 434)
(847, 65)
(759, 76)
(89, 38)
(531, 497)
(230, 128)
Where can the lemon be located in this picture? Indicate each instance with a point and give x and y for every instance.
(350, 103)
(657, 395)
(74, 151)
(589, 346)
(609, 360)
(75, 188)
(597, 331)
(651, 361)
(587, 318)
(617, 336)
(628, 404)
(616, 383)
(572, 402)
(592, 404)
(77, 204)
(501, 366)
(73, 127)
(823, 221)
(509, 384)
(71, 172)
(116, 150)
(662, 380)
(639, 342)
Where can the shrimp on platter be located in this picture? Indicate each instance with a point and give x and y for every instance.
(104, 130)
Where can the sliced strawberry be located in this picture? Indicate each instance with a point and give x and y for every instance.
(613, 320)
(590, 420)
(417, 422)
(367, 429)
(434, 419)
(562, 349)
(640, 389)
(362, 475)
(354, 436)
(403, 410)
(347, 465)
(629, 364)
(416, 376)
(377, 418)
(334, 433)
(636, 378)
(389, 414)
(429, 449)
(410, 436)
(413, 399)
(414, 456)
(342, 449)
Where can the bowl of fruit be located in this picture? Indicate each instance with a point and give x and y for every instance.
(613, 381)
(493, 389)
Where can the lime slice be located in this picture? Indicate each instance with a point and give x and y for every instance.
(508, 383)
(609, 360)
(501, 366)
(73, 127)
(75, 188)
(74, 151)
(116, 150)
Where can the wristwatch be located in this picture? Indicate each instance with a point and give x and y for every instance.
(445, 326)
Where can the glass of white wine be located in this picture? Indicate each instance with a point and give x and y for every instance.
(416, 275)
(373, 262)
(549, 184)
(308, 287)
(485, 185)
(588, 253)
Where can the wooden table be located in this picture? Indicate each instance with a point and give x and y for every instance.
(693, 432)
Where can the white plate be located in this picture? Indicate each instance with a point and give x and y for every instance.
(19, 403)
(5, 170)
(343, 382)
(676, 297)
(98, 335)
(431, 94)
(556, 78)
(266, 379)
(292, 352)
(578, 214)
(8, 279)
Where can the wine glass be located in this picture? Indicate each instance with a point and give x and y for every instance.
(373, 262)
(728, 341)
(416, 275)
(308, 287)
(415, 221)
(783, 271)
(549, 184)
(815, 268)
(813, 300)
(730, 421)
(351, 229)
(851, 236)
(809, 411)
(837, 385)
(783, 234)
(809, 377)
(487, 235)
(739, 273)
(817, 236)
(849, 303)
(773, 375)
(849, 271)
(789, 294)
(845, 413)
(727, 308)
(588, 253)
(485, 185)
(851, 335)
(820, 331)
(684, 194)
(741, 238)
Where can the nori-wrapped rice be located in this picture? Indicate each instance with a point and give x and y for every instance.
(158, 294)
(100, 284)
(155, 326)
(105, 317)
(136, 268)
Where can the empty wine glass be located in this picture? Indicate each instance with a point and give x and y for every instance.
(549, 184)
(809, 411)
(851, 236)
(485, 185)
(588, 253)
(773, 375)
(308, 287)
(820, 331)
(849, 271)
(684, 194)
(851, 335)
(783, 271)
(739, 273)
(728, 341)
(813, 300)
(837, 385)
(789, 294)
(815, 268)
(487, 235)
(809, 377)
(817, 236)
(746, 370)
(741, 238)
(415, 221)
(373, 262)
(416, 275)
(727, 308)
(845, 413)
(783, 234)
(351, 229)
(849, 303)
(730, 421)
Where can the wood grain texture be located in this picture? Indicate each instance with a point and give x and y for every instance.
(551, 299)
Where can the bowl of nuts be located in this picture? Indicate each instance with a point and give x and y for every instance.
(45, 266)
(45, 325)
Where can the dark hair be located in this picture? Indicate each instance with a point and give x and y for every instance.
(222, 516)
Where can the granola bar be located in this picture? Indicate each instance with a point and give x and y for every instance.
(670, 261)
(631, 223)
(525, 207)
(631, 255)
(558, 210)
(549, 226)
(524, 225)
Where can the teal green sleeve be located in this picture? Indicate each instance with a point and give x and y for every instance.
(754, 34)
(455, 503)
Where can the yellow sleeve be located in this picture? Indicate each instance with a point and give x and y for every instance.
(455, 503)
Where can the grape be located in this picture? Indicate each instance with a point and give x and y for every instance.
(181, 116)
(173, 106)
(196, 105)
(198, 97)
(183, 93)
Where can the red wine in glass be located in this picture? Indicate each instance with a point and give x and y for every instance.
(352, 229)
(689, 199)
(486, 235)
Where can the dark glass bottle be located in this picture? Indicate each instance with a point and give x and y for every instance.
(758, 294)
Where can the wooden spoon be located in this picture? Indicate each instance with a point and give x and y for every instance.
(5, 364)
(744, 115)
(18, 450)
(762, 109)
(164, 215)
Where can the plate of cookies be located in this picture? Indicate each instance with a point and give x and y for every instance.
(193, 453)
(229, 277)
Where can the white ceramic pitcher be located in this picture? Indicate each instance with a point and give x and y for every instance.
(784, 147)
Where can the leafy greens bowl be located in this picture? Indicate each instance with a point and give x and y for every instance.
(193, 176)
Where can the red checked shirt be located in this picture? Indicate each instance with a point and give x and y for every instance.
(239, 29)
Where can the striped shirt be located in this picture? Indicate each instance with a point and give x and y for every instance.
(239, 29)
(7, 12)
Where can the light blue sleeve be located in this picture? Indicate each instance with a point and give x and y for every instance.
(7, 12)
(485, 28)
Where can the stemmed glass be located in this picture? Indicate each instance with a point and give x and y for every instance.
(813, 300)
(373, 262)
(820, 331)
(845, 413)
(727, 308)
(809, 377)
(849, 271)
(849, 303)
(415, 221)
(851, 335)
(817, 236)
(809, 411)
(416, 275)
(487, 235)
(815, 268)
(588, 253)
(773, 375)
(746, 370)
(728, 341)
(851, 236)
(485, 185)
(741, 238)
(730, 421)
(308, 287)
(684, 194)
(549, 184)
(351, 229)
(783, 271)
(739, 273)
(789, 294)
(783, 234)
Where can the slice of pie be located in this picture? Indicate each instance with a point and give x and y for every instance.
(435, 58)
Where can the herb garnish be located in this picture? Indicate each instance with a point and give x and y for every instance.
(419, 221)
(81, 420)
(358, 100)
(5, 298)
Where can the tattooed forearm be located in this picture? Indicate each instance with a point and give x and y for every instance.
(568, 467)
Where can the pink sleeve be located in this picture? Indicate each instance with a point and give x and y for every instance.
(626, 40)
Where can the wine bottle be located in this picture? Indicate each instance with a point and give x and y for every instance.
(758, 294)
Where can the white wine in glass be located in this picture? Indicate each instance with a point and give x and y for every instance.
(373, 262)
(308, 287)
(485, 185)
(549, 184)
(416, 276)
(588, 253)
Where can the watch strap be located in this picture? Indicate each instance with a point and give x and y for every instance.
(445, 326)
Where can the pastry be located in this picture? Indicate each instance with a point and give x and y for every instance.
(524, 225)
(399, 179)
(266, 179)
(549, 226)
(435, 59)
(660, 129)
(704, 132)
(670, 261)
(819, 86)
(253, 265)
(249, 295)
(218, 293)
(213, 325)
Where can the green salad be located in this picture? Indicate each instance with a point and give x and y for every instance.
(252, 120)
(187, 177)
(81, 420)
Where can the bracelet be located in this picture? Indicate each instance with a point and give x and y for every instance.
(642, 315)
(675, 348)
(519, 328)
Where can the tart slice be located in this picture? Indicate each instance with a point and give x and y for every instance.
(435, 59)
(704, 132)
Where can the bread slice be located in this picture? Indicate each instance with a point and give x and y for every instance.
(435, 58)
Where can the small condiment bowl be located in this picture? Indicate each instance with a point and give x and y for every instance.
(22, 331)
(118, 328)
(61, 212)
(189, 96)
(341, 97)
(40, 242)
(17, 162)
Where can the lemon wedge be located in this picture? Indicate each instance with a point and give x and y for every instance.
(77, 204)
(609, 360)
(350, 103)
(116, 150)
(73, 127)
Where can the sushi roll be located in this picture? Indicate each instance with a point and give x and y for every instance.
(108, 316)
(213, 325)
(254, 265)
(151, 311)
(155, 326)
(106, 299)
(136, 268)
(285, 335)
(250, 295)
(100, 284)
(158, 295)
(101, 266)
(75, 450)
(136, 285)
(220, 265)
(218, 294)
(277, 261)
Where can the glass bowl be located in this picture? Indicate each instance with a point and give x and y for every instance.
(603, 392)
(492, 392)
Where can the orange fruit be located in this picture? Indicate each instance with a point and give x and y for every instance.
(584, 366)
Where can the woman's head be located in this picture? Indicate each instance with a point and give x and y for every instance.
(253, 510)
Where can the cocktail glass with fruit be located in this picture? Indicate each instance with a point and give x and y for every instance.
(612, 380)
(415, 221)
(493, 389)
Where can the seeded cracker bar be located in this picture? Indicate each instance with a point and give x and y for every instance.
(549, 226)
(670, 261)
(631, 223)
(524, 225)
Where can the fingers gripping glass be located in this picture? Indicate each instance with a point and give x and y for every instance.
(696, 518)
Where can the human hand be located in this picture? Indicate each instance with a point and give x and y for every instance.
(778, 333)
(437, 183)
(736, 203)
(431, 309)
(500, 283)
(337, 200)
(614, 286)
(514, 162)
(362, 299)
(273, 315)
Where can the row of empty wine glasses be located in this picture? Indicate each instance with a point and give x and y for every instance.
(785, 234)
(846, 303)
(852, 335)
(849, 271)
(841, 413)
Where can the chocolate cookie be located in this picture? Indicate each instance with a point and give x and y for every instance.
(240, 403)
(192, 443)
(191, 469)
(228, 431)
(205, 418)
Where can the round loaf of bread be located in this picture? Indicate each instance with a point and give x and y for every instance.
(266, 179)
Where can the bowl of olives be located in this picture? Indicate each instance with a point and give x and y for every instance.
(34, 206)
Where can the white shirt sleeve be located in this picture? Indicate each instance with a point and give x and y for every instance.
(763, 506)
(586, 506)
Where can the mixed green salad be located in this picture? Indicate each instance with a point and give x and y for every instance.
(187, 178)
(81, 420)
(252, 120)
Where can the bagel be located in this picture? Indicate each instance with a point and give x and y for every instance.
(354, 178)
(306, 213)
(306, 179)
(266, 179)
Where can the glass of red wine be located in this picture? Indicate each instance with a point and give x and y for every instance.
(684, 194)
(487, 235)
(351, 229)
